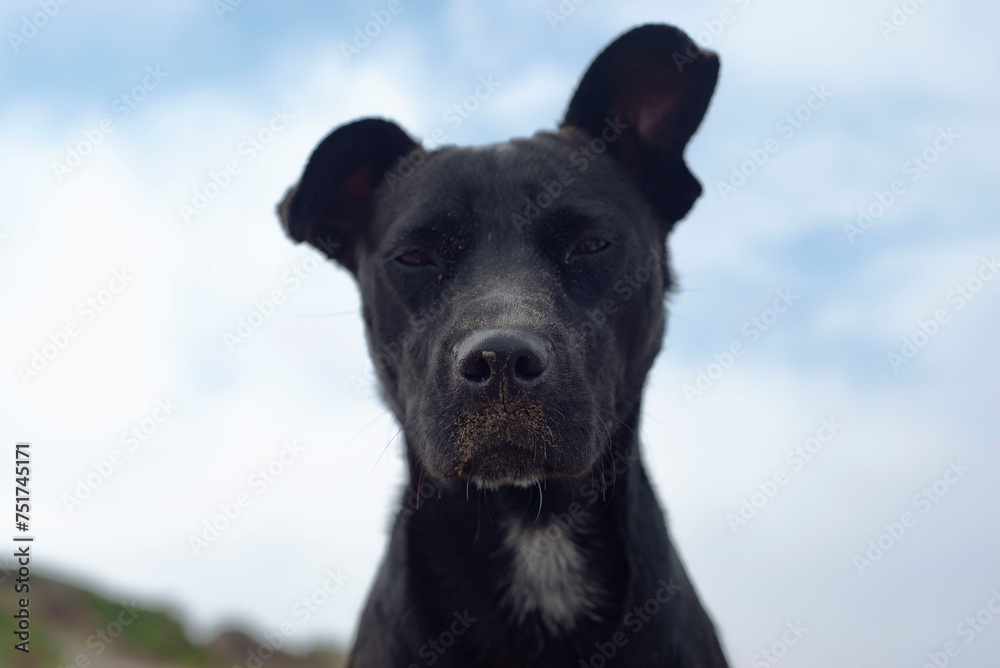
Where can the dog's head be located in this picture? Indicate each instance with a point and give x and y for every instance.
(513, 293)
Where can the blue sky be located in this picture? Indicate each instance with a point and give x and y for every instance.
(304, 373)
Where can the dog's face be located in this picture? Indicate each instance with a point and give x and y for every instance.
(507, 364)
(513, 293)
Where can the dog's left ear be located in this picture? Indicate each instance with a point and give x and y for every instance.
(333, 202)
(644, 96)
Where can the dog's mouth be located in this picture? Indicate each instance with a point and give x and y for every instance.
(504, 442)
(505, 407)
(517, 442)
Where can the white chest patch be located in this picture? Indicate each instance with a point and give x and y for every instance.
(549, 576)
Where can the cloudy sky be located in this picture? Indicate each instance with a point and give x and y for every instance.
(144, 147)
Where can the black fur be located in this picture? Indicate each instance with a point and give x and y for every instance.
(513, 298)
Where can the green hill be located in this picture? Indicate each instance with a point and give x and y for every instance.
(72, 627)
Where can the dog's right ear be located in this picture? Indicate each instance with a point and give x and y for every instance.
(650, 89)
(333, 201)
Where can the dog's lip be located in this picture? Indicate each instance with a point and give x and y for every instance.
(494, 459)
(493, 484)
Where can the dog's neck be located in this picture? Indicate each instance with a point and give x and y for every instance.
(555, 550)
(559, 566)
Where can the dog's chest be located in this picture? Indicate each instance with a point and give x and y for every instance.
(549, 576)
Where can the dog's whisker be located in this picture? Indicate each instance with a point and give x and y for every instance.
(387, 444)
(479, 515)
(539, 514)
(486, 502)
(624, 424)
(327, 315)
(607, 438)
(403, 425)
(356, 436)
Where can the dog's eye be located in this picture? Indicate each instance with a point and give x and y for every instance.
(414, 258)
(590, 246)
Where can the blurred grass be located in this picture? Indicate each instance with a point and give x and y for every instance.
(67, 620)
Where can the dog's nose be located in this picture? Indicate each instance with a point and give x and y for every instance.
(484, 358)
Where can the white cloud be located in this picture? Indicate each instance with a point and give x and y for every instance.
(163, 335)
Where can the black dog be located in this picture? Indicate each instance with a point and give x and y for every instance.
(513, 297)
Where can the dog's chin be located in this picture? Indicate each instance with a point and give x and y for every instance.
(492, 465)
(495, 466)
(494, 480)
(512, 446)
(494, 484)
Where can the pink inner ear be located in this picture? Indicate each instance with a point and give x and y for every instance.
(357, 186)
(650, 115)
